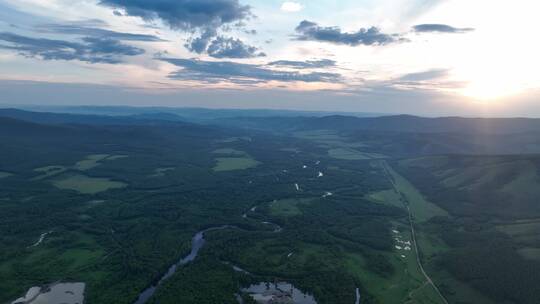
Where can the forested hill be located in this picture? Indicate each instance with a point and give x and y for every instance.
(51, 126)
(398, 123)
(63, 118)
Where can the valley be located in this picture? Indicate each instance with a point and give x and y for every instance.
(200, 214)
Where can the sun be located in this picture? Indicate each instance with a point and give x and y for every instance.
(490, 89)
(489, 82)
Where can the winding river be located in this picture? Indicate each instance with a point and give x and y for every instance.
(357, 296)
(197, 243)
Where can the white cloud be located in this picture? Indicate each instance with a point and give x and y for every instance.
(291, 7)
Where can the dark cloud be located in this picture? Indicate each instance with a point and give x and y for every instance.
(308, 30)
(213, 72)
(90, 49)
(309, 64)
(76, 29)
(440, 28)
(223, 47)
(186, 15)
(200, 44)
(118, 13)
(201, 18)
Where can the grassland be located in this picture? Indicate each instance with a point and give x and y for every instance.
(287, 207)
(406, 285)
(117, 157)
(160, 172)
(530, 253)
(233, 139)
(387, 197)
(86, 185)
(339, 146)
(95, 160)
(352, 154)
(229, 151)
(234, 163)
(231, 159)
(425, 162)
(421, 209)
(527, 235)
(521, 230)
(506, 186)
(330, 139)
(293, 150)
(320, 135)
(49, 171)
(90, 162)
(5, 174)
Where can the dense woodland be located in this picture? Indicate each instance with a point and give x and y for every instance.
(120, 240)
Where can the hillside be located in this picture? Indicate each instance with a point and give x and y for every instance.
(399, 123)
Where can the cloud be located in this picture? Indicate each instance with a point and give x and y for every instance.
(376, 99)
(223, 47)
(76, 29)
(186, 15)
(200, 44)
(311, 31)
(430, 79)
(425, 75)
(291, 7)
(226, 71)
(440, 28)
(309, 64)
(201, 18)
(91, 49)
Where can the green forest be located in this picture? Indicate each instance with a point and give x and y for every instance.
(114, 206)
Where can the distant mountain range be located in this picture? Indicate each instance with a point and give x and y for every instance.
(251, 119)
(191, 114)
(86, 119)
(397, 123)
(398, 136)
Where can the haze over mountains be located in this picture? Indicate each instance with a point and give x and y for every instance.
(398, 135)
(281, 120)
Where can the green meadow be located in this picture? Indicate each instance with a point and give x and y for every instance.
(5, 174)
(288, 207)
(160, 172)
(234, 163)
(352, 154)
(86, 185)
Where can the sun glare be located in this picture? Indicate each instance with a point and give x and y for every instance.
(489, 89)
(493, 77)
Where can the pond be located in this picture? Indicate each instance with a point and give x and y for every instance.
(282, 292)
(65, 293)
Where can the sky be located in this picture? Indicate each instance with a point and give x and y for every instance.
(424, 57)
